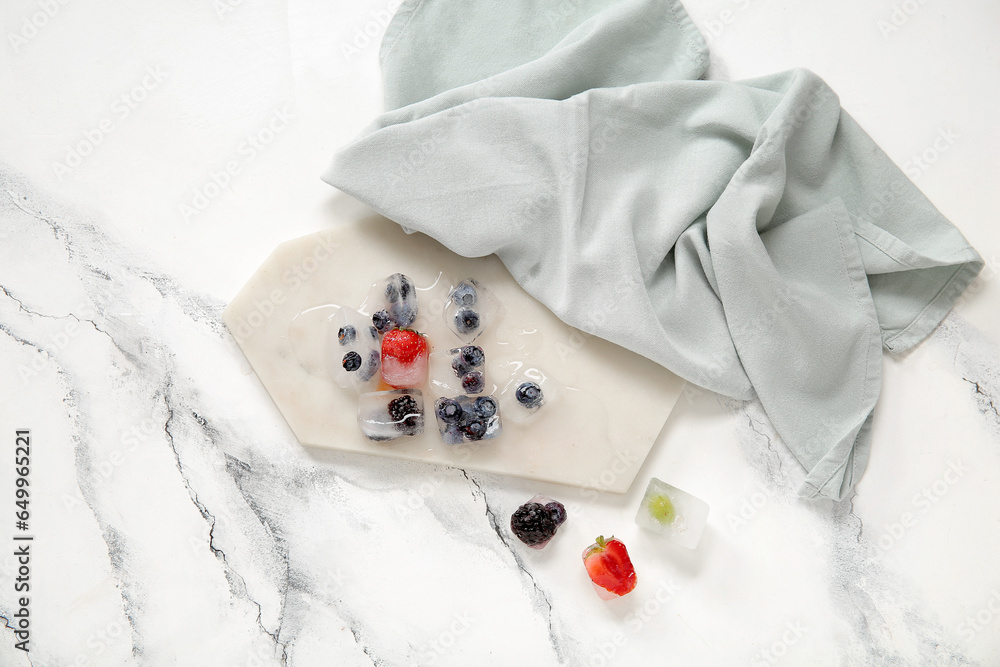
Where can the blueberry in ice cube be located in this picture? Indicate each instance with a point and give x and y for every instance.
(464, 294)
(475, 429)
(529, 394)
(473, 355)
(347, 334)
(473, 382)
(371, 366)
(382, 321)
(557, 510)
(466, 321)
(449, 410)
(352, 361)
(485, 407)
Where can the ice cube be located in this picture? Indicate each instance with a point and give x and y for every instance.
(527, 392)
(396, 297)
(404, 358)
(353, 350)
(536, 521)
(467, 418)
(675, 514)
(471, 309)
(387, 415)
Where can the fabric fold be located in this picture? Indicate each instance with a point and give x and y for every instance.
(749, 236)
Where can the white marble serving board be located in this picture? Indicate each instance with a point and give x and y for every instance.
(611, 406)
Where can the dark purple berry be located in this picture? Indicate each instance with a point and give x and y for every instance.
(405, 412)
(371, 367)
(485, 407)
(347, 334)
(449, 410)
(557, 510)
(529, 395)
(473, 356)
(382, 321)
(466, 321)
(352, 361)
(474, 430)
(464, 294)
(533, 524)
(473, 382)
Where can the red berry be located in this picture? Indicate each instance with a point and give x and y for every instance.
(609, 566)
(403, 345)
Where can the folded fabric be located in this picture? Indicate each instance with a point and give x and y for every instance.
(749, 236)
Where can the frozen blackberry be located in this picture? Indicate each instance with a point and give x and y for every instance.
(405, 412)
(533, 524)
(464, 294)
(473, 382)
(449, 410)
(347, 334)
(466, 321)
(352, 361)
(557, 510)
(529, 395)
(382, 321)
(485, 407)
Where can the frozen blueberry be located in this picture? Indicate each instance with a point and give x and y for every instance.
(473, 355)
(347, 334)
(464, 294)
(475, 429)
(352, 361)
(473, 382)
(402, 314)
(382, 321)
(371, 367)
(529, 395)
(448, 410)
(557, 511)
(466, 321)
(485, 407)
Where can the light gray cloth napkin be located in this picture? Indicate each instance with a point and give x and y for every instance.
(749, 236)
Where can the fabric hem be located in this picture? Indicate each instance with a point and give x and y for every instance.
(931, 315)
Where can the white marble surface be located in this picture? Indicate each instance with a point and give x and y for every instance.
(178, 521)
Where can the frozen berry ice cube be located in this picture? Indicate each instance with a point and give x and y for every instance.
(404, 358)
(388, 415)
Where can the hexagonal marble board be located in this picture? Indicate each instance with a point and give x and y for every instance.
(596, 434)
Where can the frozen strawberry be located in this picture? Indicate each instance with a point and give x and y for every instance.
(404, 358)
(609, 567)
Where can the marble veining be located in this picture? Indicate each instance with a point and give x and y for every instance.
(176, 518)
